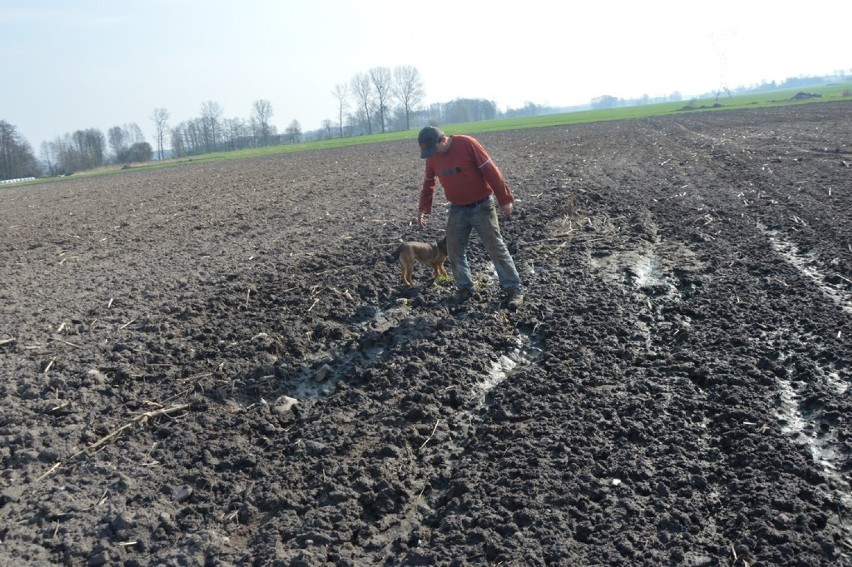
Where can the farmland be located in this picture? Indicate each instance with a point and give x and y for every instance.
(674, 391)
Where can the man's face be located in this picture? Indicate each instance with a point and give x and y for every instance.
(442, 146)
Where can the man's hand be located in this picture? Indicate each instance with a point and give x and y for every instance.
(507, 210)
(422, 218)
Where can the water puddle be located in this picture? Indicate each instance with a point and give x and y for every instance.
(800, 427)
(318, 380)
(806, 265)
(525, 352)
(645, 270)
(822, 445)
(837, 384)
(318, 375)
(803, 422)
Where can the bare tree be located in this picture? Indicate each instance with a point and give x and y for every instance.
(122, 138)
(194, 131)
(362, 88)
(408, 89)
(61, 147)
(84, 149)
(178, 142)
(467, 110)
(117, 140)
(134, 133)
(261, 114)
(238, 134)
(16, 155)
(160, 118)
(341, 93)
(293, 132)
(380, 78)
(187, 139)
(352, 121)
(327, 124)
(211, 114)
(49, 157)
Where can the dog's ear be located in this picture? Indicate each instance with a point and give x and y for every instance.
(394, 256)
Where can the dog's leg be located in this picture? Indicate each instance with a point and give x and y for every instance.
(407, 271)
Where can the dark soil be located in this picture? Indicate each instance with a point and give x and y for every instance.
(674, 392)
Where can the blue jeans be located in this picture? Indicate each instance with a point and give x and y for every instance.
(483, 218)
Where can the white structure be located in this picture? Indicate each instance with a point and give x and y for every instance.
(17, 180)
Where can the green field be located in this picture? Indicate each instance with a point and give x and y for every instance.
(828, 93)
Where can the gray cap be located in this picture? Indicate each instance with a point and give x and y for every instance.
(428, 139)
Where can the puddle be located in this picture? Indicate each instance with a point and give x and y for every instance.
(822, 446)
(498, 374)
(645, 270)
(524, 353)
(798, 421)
(317, 377)
(805, 264)
(837, 384)
(319, 380)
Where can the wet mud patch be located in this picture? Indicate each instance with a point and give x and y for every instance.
(526, 351)
(825, 278)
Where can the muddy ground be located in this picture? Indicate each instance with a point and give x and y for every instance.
(674, 392)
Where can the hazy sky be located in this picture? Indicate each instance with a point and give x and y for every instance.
(75, 64)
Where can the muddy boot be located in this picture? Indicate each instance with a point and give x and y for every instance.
(514, 299)
(462, 295)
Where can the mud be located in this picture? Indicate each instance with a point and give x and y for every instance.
(214, 364)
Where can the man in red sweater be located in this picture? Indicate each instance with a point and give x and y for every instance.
(475, 187)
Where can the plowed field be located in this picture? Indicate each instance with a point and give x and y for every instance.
(215, 364)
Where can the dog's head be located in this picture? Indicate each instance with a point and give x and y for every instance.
(442, 246)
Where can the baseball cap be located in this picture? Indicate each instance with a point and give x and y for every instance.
(427, 139)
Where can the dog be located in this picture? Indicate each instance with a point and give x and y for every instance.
(432, 255)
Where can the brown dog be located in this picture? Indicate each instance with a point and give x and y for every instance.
(432, 255)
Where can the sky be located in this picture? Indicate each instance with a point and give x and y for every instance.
(72, 65)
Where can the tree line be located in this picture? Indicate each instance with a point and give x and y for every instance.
(382, 99)
(379, 100)
(16, 156)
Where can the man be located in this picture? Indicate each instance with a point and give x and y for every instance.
(475, 187)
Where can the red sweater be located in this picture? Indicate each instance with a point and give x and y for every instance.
(466, 173)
